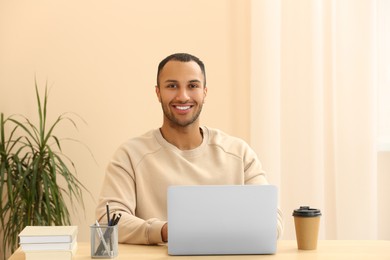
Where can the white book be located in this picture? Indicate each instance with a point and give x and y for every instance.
(51, 254)
(48, 234)
(48, 246)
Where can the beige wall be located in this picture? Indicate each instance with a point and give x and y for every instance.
(100, 59)
(383, 191)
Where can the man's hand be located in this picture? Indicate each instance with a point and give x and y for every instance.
(164, 232)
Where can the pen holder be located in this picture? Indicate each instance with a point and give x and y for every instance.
(104, 241)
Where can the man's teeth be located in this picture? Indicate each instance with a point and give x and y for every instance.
(183, 108)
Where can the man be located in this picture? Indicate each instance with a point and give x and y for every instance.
(181, 152)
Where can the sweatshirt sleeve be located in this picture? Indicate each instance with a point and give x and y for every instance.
(119, 190)
(254, 174)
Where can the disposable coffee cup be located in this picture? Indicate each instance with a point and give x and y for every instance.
(307, 223)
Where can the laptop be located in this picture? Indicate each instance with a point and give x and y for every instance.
(222, 220)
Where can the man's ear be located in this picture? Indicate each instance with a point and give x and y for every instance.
(157, 88)
(204, 94)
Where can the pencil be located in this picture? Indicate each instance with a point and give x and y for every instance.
(108, 213)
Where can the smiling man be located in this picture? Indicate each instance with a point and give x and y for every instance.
(180, 152)
(181, 91)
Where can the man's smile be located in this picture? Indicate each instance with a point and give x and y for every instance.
(182, 107)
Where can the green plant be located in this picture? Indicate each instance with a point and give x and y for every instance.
(32, 164)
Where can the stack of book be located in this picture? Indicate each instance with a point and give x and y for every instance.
(49, 242)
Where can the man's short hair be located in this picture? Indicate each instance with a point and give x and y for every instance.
(183, 57)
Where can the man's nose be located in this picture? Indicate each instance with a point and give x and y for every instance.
(182, 94)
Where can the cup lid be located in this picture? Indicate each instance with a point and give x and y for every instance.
(306, 211)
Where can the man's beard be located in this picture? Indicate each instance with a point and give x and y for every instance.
(176, 122)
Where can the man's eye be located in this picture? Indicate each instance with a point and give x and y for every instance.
(193, 86)
(171, 86)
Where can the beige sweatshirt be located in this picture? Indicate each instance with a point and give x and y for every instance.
(141, 170)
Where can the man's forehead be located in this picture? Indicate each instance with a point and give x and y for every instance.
(182, 64)
(177, 69)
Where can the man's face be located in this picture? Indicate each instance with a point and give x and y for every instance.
(181, 92)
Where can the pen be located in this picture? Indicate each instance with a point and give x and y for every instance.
(117, 219)
(112, 220)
